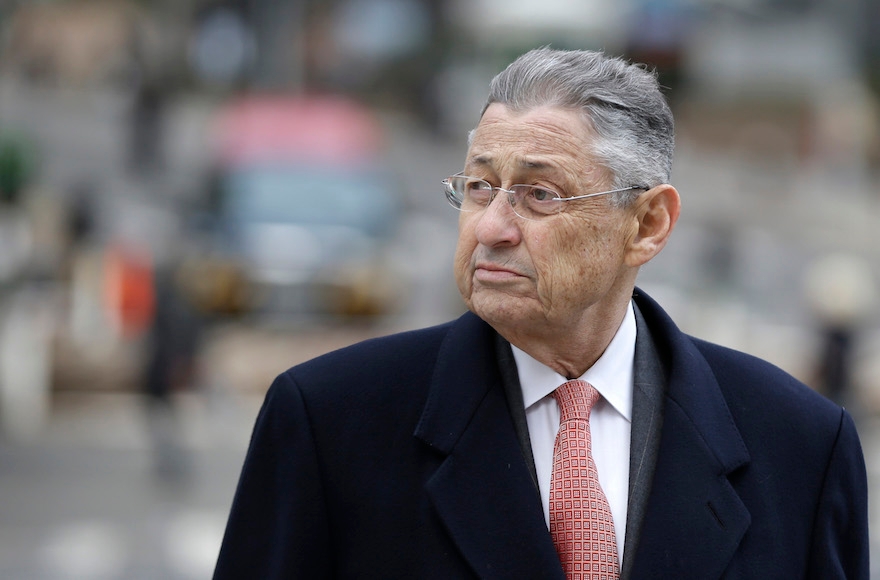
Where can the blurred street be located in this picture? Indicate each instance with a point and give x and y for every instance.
(140, 325)
(85, 501)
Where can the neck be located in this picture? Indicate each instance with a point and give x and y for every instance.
(571, 350)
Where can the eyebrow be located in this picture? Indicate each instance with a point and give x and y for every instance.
(485, 159)
(481, 160)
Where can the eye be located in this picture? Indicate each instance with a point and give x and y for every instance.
(478, 190)
(540, 194)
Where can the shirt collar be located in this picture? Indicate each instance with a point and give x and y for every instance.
(611, 375)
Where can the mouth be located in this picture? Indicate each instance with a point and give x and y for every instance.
(492, 273)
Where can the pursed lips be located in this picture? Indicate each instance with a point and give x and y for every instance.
(493, 273)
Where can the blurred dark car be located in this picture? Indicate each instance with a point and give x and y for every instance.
(304, 207)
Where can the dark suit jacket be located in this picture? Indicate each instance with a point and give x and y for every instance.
(399, 458)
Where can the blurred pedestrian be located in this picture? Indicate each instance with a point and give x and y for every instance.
(146, 152)
(564, 427)
(841, 291)
(171, 368)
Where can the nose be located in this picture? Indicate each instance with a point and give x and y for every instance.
(498, 224)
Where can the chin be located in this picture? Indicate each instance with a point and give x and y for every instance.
(497, 310)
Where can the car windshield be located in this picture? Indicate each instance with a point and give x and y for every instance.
(307, 196)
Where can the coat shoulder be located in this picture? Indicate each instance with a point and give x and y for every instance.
(405, 358)
(755, 389)
(755, 386)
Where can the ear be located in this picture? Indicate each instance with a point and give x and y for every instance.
(656, 212)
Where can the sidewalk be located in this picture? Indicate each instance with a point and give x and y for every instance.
(86, 501)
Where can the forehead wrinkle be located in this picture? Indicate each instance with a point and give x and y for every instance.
(535, 143)
(547, 168)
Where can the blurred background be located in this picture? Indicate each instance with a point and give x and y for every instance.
(197, 194)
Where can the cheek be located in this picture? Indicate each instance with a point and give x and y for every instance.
(560, 253)
(464, 252)
(461, 270)
(571, 263)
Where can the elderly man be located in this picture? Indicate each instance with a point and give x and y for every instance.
(564, 427)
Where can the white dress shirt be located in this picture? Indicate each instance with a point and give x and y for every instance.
(610, 419)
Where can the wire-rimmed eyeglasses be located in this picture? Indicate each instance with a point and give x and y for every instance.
(530, 202)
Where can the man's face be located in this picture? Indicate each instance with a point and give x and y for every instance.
(557, 274)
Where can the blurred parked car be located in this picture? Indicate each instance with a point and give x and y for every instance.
(304, 207)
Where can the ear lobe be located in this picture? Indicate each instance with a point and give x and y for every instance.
(656, 213)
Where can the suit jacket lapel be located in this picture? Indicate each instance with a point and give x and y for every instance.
(513, 393)
(483, 491)
(694, 519)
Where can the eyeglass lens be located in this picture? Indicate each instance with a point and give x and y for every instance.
(528, 201)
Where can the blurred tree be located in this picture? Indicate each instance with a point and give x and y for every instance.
(17, 166)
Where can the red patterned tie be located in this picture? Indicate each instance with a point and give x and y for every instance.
(580, 517)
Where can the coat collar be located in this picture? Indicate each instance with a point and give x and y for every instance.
(693, 388)
(694, 519)
(482, 491)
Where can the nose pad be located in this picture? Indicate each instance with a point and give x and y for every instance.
(511, 200)
(506, 200)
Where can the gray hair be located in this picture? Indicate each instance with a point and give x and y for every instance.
(620, 101)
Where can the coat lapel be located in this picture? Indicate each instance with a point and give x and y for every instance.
(484, 494)
(482, 491)
(695, 519)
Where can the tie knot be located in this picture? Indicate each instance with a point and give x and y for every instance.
(575, 399)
